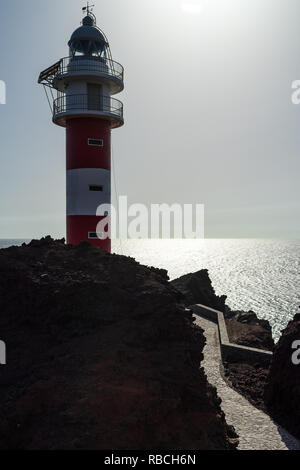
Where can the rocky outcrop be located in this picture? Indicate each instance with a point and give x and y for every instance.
(253, 336)
(196, 288)
(282, 394)
(249, 318)
(100, 355)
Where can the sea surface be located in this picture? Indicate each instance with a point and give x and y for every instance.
(259, 275)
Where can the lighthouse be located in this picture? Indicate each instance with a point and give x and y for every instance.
(85, 83)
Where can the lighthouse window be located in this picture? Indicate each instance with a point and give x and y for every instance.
(96, 142)
(92, 235)
(95, 235)
(94, 187)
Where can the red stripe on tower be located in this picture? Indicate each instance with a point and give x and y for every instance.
(85, 82)
(88, 143)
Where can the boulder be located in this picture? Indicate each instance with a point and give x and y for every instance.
(282, 393)
(250, 318)
(196, 288)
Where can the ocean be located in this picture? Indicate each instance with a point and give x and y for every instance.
(259, 275)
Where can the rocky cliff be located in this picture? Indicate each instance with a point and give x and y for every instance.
(100, 355)
(196, 288)
(282, 393)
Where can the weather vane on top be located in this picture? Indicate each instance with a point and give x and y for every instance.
(88, 9)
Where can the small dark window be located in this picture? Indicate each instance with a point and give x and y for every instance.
(96, 142)
(96, 236)
(94, 187)
(92, 235)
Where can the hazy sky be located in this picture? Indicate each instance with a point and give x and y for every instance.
(208, 110)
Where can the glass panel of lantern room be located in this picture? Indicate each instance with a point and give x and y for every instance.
(95, 97)
(97, 49)
(87, 47)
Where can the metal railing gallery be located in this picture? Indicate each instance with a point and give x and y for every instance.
(85, 102)
(91, 64)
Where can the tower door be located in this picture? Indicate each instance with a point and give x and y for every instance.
(95, 97)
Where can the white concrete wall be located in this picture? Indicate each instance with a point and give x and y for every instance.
(82, 201)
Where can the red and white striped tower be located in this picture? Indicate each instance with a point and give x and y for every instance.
(85, 82)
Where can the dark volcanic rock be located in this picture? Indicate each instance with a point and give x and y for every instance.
(196, 288)
(254, 336)
(248, 379)
(249, 318)
(282, 395)
(100, 356)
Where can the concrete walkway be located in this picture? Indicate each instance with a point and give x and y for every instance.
(256, 430)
